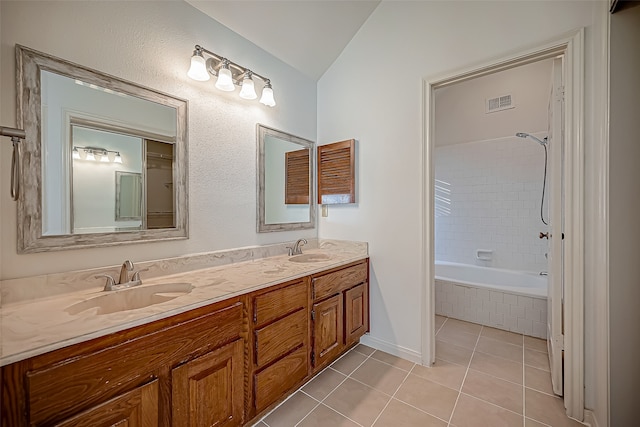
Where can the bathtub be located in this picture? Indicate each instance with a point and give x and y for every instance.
(515, 301)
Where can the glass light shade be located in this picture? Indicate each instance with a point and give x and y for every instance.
(90, 156)
(225, 80)
(248, 91)
(117, 159)
(75, 154)
(198, 70)
(267, 97)
(104, 158)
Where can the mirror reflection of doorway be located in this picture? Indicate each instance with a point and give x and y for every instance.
(160, 198)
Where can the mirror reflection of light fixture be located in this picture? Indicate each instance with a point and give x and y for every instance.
(91, 152)
(229, 74)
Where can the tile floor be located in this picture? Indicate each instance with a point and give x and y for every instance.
(482, 377)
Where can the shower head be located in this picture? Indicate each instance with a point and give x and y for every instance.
(526, 135)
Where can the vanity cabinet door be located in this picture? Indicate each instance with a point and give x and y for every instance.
(356, 316)
(327, 330)
(136, 408)
(208, 391)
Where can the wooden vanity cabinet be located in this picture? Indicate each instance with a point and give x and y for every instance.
(66, 386)
(279, 342)
(340, 313)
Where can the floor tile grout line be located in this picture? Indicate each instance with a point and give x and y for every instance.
(346, 377)
(464, 379)
(394, 394)
(492, 404)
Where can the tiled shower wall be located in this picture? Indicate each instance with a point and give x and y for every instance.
(488, 197)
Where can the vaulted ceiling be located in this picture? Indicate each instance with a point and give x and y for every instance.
(307, 34)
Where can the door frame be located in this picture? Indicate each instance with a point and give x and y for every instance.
(571, 46)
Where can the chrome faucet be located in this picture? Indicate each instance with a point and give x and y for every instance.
(297, 247)
(123, 280)
(126, 267)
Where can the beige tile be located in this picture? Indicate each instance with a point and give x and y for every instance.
(349, 362)
(497, 366)
(500, 335)
(291, 411)
(260, 424)
(547, 409)
(433, 398)
(379, 375)
(439, 321)
(322, 416)
(493, 390)
(538, 379)
(537, 359)
(323, 384)
(442, 372)
(500, 349)
(457, 337)
(535, 343)
(528, 422)
(357, 402)
(398, 414)
(453, 353)
(462, 326)
(472, 412)
(392, 360)
(363, 349)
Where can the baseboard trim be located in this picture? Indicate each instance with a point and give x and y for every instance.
(590, 418)
(391, 348)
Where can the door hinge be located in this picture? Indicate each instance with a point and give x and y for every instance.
(559, 341)
(313, 359)
(313, 315)
(560, 93)
(255, 345)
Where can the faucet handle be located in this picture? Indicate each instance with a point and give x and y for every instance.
(290, 250)
(110, 284)
(136, 275)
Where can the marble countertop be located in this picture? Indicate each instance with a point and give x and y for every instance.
(35, 327)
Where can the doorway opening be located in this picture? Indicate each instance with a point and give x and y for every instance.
(467, 168)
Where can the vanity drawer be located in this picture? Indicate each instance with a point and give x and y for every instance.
(338, 281)
(280, 337)
(275, 304)
(276, 380)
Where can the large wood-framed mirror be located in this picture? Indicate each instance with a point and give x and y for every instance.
(285, 181)
(89, 134)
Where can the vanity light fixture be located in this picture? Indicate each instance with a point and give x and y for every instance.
(91, 152)
(229, 75)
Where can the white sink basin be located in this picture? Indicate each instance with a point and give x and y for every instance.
(131, 298)
(310, 258)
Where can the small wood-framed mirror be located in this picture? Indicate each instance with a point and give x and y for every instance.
(285, 181)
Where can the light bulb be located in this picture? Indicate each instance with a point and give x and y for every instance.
(104, 157)
(118, 158)
(248, 91)
(90, 155)
(225, 79)
(75, 154)
(198, 70)
(267, 95)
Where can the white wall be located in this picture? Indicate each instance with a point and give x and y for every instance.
(460, 108)
(624, 205)
(151, 43)
(402, 43)
(488, 197)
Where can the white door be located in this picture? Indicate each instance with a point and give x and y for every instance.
(555, 315)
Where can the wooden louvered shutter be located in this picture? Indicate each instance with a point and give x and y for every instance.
(336, 173)
(296, 186)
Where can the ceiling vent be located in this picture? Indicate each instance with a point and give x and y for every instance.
(499, 103)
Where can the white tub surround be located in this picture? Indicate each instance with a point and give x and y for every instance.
(33, 326)
(509, 300)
